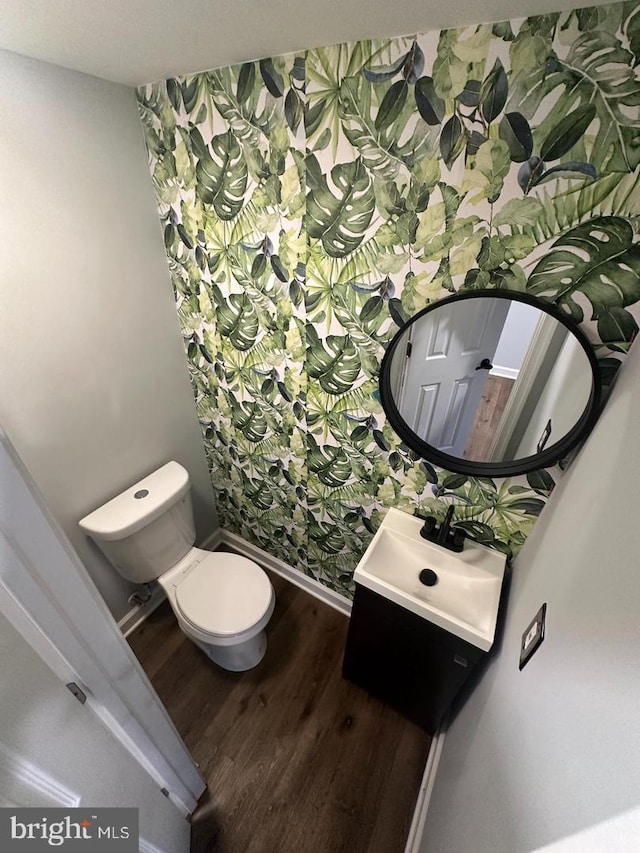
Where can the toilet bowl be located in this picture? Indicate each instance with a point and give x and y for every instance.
(222, 601)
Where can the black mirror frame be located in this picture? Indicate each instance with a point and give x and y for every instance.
(549, 456)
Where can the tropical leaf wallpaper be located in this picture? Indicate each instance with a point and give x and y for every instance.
(311, 203)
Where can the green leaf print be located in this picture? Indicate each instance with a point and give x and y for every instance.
(597, 259)
(238, 321)
(330, 464)
(461, 54)
(249, 418)
(452, 141)
(430, 106)
(598, 70)
(233, 109)
(272, 78)
(515, 130)
(392, 104)
(175, 93)
(617, 329)
(340, 220)
(493, 93)
(192, 91)
(376, 153)
(567, 132)
(246, 79)
(311, 204)
(222, 176)
(335, 364)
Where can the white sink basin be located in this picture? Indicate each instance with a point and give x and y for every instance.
(465, 599)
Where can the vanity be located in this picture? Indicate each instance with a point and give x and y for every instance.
(426, 603)
(415, 645)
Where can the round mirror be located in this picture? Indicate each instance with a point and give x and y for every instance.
(490, 383)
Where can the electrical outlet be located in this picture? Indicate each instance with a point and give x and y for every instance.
(533, 636)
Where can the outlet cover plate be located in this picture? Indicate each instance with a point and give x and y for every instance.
(533, 636)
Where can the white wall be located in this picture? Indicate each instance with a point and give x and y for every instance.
(515, 339)
(94, 392)
(540, 755)
(563, 399)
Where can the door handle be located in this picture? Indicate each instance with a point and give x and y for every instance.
(485, 364)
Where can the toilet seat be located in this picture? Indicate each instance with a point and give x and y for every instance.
(224, 595)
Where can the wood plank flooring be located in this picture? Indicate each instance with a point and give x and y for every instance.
(494, 399)
(297, 759)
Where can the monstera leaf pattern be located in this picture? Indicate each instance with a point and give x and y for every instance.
(222, 178)
(340, 220)
(600, 261)
(312, 203)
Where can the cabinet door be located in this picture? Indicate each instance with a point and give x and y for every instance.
(413, 665)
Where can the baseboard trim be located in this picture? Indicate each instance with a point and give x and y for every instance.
(267, 561)
(416, 830)
(136, 616)
(22, 781)
(505, 372)
(147, 847)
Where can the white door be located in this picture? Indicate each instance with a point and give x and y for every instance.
(443, 385)
(120, 748)
(55, 752)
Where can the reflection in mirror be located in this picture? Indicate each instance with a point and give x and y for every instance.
(490, 378)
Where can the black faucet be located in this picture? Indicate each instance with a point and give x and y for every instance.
(449, 537)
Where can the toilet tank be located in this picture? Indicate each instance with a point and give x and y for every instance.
(148, 528)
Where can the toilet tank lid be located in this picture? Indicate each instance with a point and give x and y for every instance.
(139, 505)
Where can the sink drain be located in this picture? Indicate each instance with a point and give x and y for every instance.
(428, 577)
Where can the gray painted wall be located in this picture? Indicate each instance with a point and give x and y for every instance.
(539, 755)
(94, 391)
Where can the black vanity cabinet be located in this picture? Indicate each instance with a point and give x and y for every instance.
(413, 665)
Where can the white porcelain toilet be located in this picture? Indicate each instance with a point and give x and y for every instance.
(222, 601)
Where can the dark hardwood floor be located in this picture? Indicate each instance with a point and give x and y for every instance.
(297, 759)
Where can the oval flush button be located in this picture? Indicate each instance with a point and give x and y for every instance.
(141, 493)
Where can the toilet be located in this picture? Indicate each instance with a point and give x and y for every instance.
(222, 601)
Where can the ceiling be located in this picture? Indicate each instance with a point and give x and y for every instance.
(140, 41)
